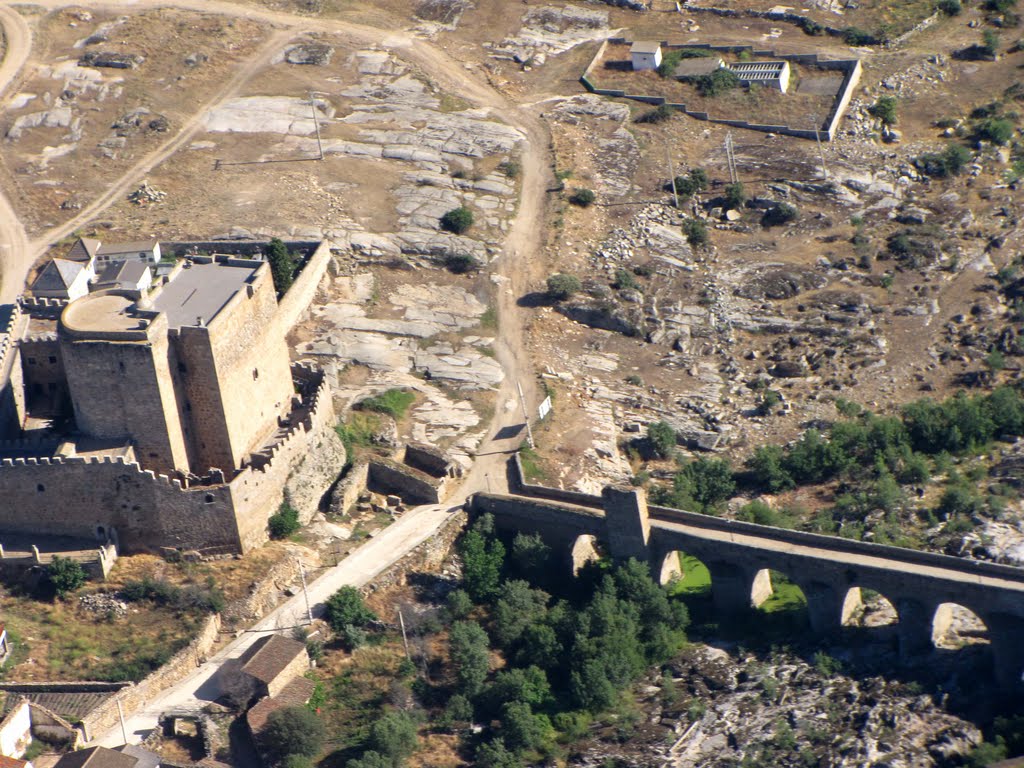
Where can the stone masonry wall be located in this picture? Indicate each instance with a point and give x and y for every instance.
(76, 497)
(135, 697)
(257, 493)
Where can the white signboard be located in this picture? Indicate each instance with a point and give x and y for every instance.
(545, 407)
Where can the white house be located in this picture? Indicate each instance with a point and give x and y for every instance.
(16, 730)
(63, 279)
(773, 74)
(147, 251)
(645, 55)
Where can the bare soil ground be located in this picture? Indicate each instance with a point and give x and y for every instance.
(53, 171)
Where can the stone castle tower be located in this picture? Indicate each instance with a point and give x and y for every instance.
(194, 377)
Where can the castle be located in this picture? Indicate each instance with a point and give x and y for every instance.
(163, 418)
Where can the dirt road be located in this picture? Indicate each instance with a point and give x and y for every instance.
(16, 256)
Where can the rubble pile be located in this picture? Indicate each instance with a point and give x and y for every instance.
(146, 195)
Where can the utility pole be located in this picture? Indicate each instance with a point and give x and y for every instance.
(672, 176)
(405, 639)
(821, 149)
(731, 158)
(305, 592)
(526, 416)
(120, 715)
(316, 125)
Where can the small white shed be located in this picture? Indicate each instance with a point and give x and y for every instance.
(645, 55)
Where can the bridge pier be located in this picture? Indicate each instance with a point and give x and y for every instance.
(826, 607)
(731, 589)
(914, 628)
(629, 528)
(1006, 633)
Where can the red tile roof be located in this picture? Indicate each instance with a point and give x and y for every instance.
(269, 656)
(295, 694)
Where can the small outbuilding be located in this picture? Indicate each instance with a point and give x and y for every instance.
(645, 54)
(772, 74)
(62, 279)
(124, 275)
(273, 662)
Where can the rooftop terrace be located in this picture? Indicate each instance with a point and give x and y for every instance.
(200, 290)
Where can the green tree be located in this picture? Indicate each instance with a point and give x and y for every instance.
(990, 43)
(458, 711)
(884, 109)
(696, 232)
(783, 213)
(767, 466)
(459, 604)
(494, 754)
(997, 130)
(369, 759)
(529, 685)
(661, 437)
(950, 7)
(65, 575)
(563, 286)
(735, 195)
(282, 265)
(582, 197)
(709, 480)
(539, 645)
(518, 606)
(292, 731)
(720, 81)
(482, 561)
(521, 729)
(345, 608)
(457, 220)
(531, 557)
(284, 522)
(469, 652)
(394, 737)
(297, 761)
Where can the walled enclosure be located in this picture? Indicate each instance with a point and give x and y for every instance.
(851, 69)
(224, 511)
(827, 569)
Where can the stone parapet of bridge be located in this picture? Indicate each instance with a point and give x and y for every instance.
(830, 571)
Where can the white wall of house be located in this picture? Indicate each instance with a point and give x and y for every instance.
(16, 731)
(646, 60)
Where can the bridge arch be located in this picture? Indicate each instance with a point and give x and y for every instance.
(864, 607)
(956, 626)
(585, 549)
(683, 573)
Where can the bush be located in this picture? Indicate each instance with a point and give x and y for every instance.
(884, 109)
(393, 402)
(394, 737)
(949, 7)
(718, 82)
(191, 598)
(624, 280)
(284, 522)
(461, 263)
(282, 265)
(990, 43)
(661, 438)
(735, 195)
(64, 575)
(856, 37)
(582, 197)
(563, 286)
(696, 233)
(457, 220)
(949, 162)
(345, 608)
(292, 731)
(659, 114)
(997, 130)
(511, 168)
(783, 213)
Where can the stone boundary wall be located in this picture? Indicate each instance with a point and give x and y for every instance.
(302, 292)
(412, 485)
(134, 697)
(245, 248)
(851, 69)
(349, 488)
(833, 543)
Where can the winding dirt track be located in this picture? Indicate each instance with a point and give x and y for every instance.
(513, 271)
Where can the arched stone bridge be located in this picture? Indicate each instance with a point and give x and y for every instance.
(831, 571)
